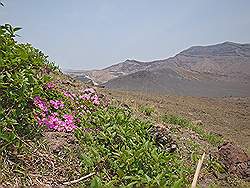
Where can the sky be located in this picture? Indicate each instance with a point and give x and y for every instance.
(93, 34)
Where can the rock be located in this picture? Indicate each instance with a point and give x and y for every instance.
(125, 105)
(161, 134)
(235, 160)
(100, 86)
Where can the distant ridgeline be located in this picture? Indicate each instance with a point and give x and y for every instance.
(215, 70)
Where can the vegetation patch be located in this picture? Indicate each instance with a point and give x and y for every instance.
(212, 138)
(147, 110)
(23, 72)
(122, 152)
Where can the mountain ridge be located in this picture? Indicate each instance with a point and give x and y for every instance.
(224, 66)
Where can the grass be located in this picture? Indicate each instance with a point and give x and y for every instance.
(212, 138)
(116, 146)
(147, 110)
(35, 164)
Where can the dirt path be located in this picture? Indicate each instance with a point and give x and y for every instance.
(229, 117)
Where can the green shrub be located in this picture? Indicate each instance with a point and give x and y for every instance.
(121, 152)
(23, 72)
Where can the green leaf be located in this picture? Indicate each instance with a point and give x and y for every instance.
(17, 29)
(96, 182)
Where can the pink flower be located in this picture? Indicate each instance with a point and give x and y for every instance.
(43, 114)
(70, 128)
(40, 104)
(68, 94)
(61, 128)
(57, 104)
(68, 118)
(53, 120)
(50, 85)
(85, 97)
(95, 100)
(40, 122)
(54, 114)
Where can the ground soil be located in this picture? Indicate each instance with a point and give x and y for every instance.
(226, 116)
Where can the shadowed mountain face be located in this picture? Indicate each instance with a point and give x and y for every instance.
(171, 82)
(215, 70)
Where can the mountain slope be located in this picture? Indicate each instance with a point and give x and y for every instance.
(226, 61)
(117, 70)
(170, 82)
(216, 70)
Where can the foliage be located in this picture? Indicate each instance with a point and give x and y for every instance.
(23, 72)
(121, 152)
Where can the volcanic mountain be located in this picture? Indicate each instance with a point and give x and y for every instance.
(215, 70)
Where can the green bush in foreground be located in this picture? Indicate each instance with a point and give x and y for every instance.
(121, 152)
(22, 75)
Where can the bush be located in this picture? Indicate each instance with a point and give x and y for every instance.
(121, 152)
(23, 72)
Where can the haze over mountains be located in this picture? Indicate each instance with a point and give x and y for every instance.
(215, 70)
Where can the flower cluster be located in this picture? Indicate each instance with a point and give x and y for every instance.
(56, 116)
(54, 122)
(66, 125)
(57, 104)
(90, 94)
(50, 85)
(40, 104)
(69, 94)
(52, 119)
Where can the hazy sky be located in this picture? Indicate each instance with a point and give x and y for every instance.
(87, 34)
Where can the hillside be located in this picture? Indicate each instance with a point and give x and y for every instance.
(170, 82)
(59, 132)
(227, 116)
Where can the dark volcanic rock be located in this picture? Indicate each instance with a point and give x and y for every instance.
(161, 134)
(235, 160)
